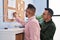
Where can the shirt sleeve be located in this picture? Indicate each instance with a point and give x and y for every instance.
(20, 21)
(34, 31)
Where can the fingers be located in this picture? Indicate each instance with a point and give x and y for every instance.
(14, 14)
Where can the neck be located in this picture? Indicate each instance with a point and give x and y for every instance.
(48, 20)
(29, 16)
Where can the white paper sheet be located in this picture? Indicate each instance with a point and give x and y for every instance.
(12, 3)
(10, 14)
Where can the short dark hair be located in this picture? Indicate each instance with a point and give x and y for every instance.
(50, 11)
(30, 6)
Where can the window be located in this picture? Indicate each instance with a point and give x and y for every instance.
(11, 6)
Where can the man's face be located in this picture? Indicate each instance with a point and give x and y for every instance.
(46, 15)
(28, 12)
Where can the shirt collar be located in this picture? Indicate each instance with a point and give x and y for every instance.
(48, 21)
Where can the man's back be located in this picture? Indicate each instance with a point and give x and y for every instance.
(32, 29)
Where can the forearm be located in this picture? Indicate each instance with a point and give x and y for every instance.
(20, 21)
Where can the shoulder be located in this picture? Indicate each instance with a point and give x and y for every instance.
(34, 21)
(52, 24)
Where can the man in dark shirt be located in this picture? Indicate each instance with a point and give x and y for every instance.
(47, 26)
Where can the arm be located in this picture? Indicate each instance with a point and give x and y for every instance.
(20, 21)
(34, 31)
(18, 18)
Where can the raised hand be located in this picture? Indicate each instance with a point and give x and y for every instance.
(15, 14)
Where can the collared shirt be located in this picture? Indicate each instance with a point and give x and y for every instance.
(47, 30)
(32, 28)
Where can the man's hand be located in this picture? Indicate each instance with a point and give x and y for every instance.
(15, 14)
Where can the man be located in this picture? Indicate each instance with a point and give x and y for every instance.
(47, 26)
(32, 28)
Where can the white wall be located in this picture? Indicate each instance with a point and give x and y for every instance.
(57, 23)
(54, 4)
(40, 5)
